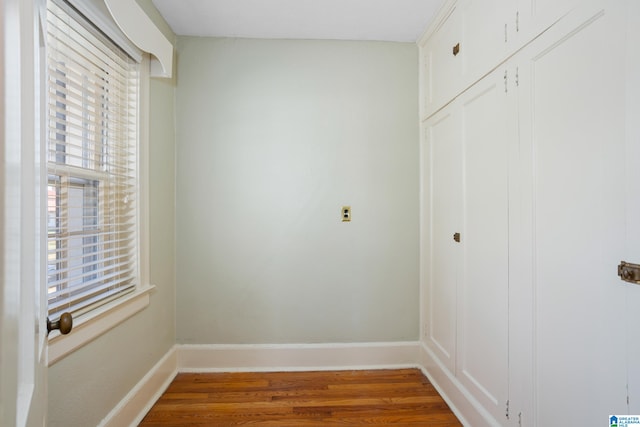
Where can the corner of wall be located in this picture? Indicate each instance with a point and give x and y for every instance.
(135, 405)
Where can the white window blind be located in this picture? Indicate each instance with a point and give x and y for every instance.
(91, 165)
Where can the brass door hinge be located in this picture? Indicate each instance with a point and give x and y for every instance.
(456, 49)
(629, 272)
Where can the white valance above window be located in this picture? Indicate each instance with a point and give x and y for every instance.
(124, 22)
(139, 28)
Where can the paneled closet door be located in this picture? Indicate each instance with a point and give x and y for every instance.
(534, 16)
(487, 25)
(632, 252)
(572, 120)
(483, 291)
(442, 57)
(442, 218)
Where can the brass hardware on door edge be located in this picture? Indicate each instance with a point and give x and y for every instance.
(456, 237)
(64, 324)
(629, 272)
(456, 49)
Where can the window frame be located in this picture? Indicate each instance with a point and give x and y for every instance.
(90, 325)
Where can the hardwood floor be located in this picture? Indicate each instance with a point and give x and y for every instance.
(376, 397)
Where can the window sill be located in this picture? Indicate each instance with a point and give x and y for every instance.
(91, 325)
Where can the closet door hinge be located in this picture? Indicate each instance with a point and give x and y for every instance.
(519, 419)
(505, 81)
(517, 21)
(505, 33)
(506, 412)
(517, 76)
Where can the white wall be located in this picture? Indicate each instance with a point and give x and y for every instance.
(273, 137)
(87, 384)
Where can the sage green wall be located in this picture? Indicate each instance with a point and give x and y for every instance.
(273, 138)
(86, 385)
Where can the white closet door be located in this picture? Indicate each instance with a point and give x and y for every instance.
(442, 192)
(573, 114)
(483, 325)
(442, 69)
(487, 25)
(534, 16)
(632, 252)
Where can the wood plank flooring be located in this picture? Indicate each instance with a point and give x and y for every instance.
(375, 397)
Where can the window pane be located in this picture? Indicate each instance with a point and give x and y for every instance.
(91, 208)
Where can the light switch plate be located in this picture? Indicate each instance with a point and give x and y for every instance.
(346, 213)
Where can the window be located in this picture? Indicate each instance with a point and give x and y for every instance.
(92, 144)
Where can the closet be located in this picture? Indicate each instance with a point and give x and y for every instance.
(528, 207)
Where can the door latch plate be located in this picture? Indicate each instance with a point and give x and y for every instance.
(629, 272)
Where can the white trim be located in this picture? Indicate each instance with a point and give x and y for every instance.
(141, 30)
(460, 401)
(96, 323)
(144, 130)
(135, 405)
(293, 357)
(443, 13)
(296, 357)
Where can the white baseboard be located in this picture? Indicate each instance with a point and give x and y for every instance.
(135, 405)
(297, 357)
(454, 393)
(254, 358)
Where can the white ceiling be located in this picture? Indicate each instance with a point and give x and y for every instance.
(387, 20)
